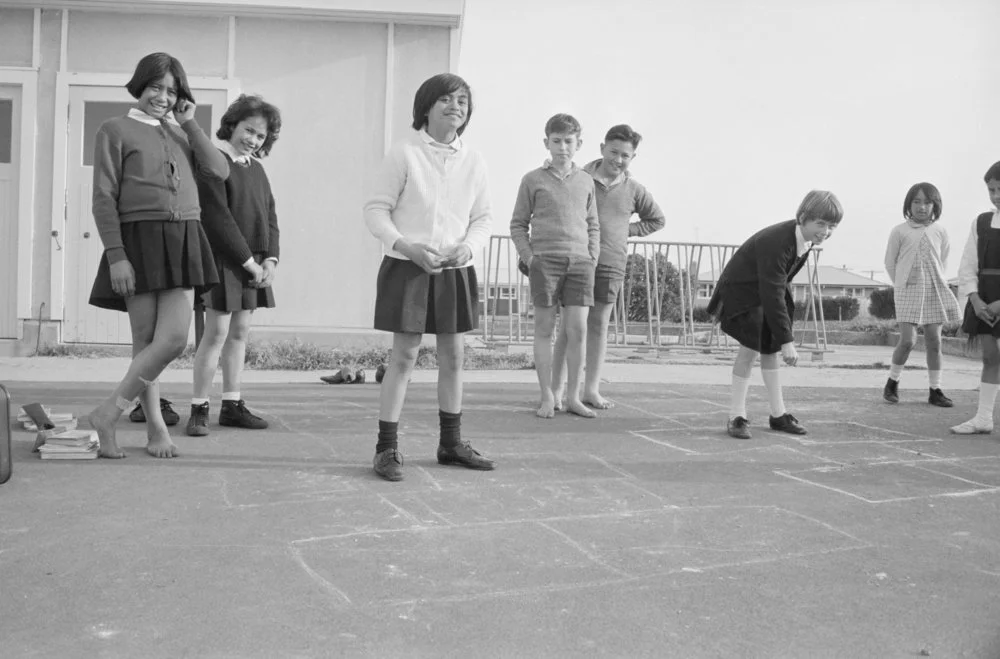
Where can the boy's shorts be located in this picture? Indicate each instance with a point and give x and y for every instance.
(608, 284)
(565, 280)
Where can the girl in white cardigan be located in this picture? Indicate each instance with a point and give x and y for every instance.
(915, 259)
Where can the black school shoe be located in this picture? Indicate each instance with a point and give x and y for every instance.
(739, 428)
(389, 464)
(197, 425)
(464, 455)
(170, 417)
(787, 423)
(938, 398)
(234, 413)
(891, 391)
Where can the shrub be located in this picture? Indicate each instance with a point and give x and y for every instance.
(834, 308)
(882, 304)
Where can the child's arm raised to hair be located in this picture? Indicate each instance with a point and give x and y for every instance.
(651, 218)
(208, 161)
(593, 225)
(892, 254)
(520, 222)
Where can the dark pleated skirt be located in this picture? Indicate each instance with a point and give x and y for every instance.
(751, 330)
(413, 301)
(234, 292)
(164, 255)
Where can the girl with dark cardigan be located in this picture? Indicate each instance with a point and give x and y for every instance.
(242, 227)
(430, 208)
(979, 282)
(753, 303)
(156, 254)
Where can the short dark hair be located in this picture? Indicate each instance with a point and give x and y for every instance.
(930, 193)
(154, 66)
(820, 205)
(993, 173)
(245, 107)
(562, 123)
(624, 133)
(434, 88)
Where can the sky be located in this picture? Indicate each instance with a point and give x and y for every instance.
(746, 106)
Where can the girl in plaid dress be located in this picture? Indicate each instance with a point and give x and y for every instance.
(915, 259)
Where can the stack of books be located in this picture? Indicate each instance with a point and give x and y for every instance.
(59, 419)
(71, 445)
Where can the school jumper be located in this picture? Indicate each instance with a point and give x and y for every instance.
(146, 208)
(753, 299)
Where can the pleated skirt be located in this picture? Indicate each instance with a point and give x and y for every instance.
(164, 255)
(234, 292)
(413, 301)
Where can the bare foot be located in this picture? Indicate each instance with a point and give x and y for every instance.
(104, 424)
(578, 408)
(546, 409)
(597, 401)
(158, 444)
(558, 404)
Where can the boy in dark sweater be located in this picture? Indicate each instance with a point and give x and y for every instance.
(556, 232)
(619, 197)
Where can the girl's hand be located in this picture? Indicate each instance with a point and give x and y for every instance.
(123, 278)
(425, 256)
(270, 269)
(256, 272)
(993, 308)
(456, 256)
(789, 354)
(983, 311)
(184, 111)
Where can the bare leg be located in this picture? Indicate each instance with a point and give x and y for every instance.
(559, 362)
(907, 339)
(397, 375)
(576, 336)
(932, 345)
(206, 360)
(597, 347)
(545, 319)
(450, 355)
(172, 313)
(234, 351)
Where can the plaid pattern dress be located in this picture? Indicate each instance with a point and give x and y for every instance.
(926, 298)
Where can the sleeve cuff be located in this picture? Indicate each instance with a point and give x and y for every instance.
(115, 255)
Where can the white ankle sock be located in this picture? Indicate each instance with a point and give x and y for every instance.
(987, 396)
(738, 401)
(895, 370)
(231, 395)
(773, 385)
(934, 378)
(199, 401)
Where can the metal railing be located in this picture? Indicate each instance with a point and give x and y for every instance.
(507, 310)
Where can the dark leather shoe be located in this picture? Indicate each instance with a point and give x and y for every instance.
(938, 398)
(380, 373)
(787, 423)
(739, 428)
(342, 376)
(234, 413)
(197, 425)
(389, 464)
(891, 391)
(170, 417)
(359, 377)
(464, 455)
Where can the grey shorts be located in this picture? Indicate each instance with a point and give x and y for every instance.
(565, 280)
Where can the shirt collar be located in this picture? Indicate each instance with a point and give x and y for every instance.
(234, 155)
(592, 167)
(142, 117)
(801, 246)
(456, 144)
(548, 165)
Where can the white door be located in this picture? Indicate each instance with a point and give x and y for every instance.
(89, 107)
(10, 132)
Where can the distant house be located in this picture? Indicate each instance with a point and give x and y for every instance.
(835, 282)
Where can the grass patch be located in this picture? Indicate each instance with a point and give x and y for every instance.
(295, 355)
(876, 366)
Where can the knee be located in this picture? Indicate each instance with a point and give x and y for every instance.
(932, 343)
(906, 343)
(239, 333)
(174, 346)
(405, 358)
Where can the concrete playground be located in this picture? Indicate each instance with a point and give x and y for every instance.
(647, 532)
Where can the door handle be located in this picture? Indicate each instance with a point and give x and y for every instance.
(86, 234)
(55, 235)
